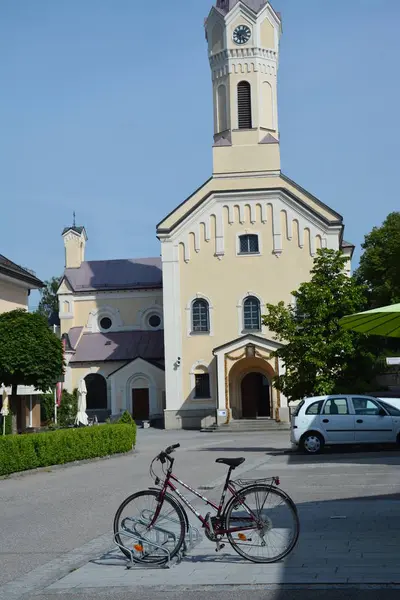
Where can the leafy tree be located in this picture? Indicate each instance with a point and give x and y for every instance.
(320, 357)
(379, 267)
(30, 353)
(48, 304)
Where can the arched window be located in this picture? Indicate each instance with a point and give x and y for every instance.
(96, 391)
(248, 244)
(200, 316)
(244, 105)
(201, 382)
(251, 314)
(222, 116)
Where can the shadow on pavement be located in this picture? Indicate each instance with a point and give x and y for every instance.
(356, 454)
(348, 541)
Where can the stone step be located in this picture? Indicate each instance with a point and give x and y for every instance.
(248, 425)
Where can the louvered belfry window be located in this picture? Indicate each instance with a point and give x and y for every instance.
(244, 105)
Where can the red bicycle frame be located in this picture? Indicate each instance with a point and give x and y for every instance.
(168, 485)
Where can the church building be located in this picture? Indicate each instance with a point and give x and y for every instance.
(180, 339)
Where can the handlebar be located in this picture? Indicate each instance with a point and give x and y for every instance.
(165, 453)
(171, 449)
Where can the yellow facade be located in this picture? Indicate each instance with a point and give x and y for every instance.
(12, 296)
(217, 363)
(246, 238)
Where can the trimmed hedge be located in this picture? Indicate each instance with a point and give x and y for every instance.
(30, 451)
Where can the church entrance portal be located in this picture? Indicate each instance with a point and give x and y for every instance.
(255, 396)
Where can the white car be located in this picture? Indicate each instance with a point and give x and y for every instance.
(344, 419)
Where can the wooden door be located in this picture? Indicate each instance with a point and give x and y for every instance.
(250, 391)
(264, 404)
(140, 404)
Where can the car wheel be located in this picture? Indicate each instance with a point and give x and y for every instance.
(312, 443)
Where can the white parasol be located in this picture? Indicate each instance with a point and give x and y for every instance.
(81, 416)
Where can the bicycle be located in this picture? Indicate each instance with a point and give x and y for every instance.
(244, 519)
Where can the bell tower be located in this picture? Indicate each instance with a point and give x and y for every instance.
(243, 48)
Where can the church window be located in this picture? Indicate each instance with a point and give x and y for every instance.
(155, 321)
(248, 244)
(222, 116)
(200, 316)
(244, 105)
(251, 314)
(105, 323)
(202, 385)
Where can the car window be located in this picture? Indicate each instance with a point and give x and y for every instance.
(365, 406)
(314, 408)
(394, 412)
(336, 406)
(296, 409)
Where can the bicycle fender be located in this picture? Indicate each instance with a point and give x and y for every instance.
(176, 501)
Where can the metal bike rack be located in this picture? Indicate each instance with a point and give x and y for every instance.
(192, 538)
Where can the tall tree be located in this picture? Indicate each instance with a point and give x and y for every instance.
(48, 304)
(379, 268)
(30, 353)
(318, 354)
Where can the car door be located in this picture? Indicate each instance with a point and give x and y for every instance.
(337, 420)
(372, 426)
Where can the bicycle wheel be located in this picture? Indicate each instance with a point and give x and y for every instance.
(148, 544)
(265, 524)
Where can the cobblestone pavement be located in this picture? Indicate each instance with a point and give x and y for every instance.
(350, 527)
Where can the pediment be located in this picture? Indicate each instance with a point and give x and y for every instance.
(247, 340)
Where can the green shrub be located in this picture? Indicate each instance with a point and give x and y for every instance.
(68, 408)
(126, 418)
(47, 408)
(29, 451)
(8, 424)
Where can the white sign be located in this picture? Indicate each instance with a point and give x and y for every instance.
(222, 413)
(393, 360)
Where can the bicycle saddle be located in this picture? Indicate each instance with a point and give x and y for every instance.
(231, 462)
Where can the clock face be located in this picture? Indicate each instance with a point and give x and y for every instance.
(241, 34)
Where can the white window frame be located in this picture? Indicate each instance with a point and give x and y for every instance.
(146, 314)
(198, 368)
(188, 309)
(240, 309)
(246, 232)
(95, 316)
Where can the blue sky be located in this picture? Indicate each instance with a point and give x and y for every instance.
(81, 81)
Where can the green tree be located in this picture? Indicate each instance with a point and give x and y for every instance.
(30, 353)
(318, 354)
(48, 304)
(379, 268)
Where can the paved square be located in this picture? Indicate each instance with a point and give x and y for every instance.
(348, 502)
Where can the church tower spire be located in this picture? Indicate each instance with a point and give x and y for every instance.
(243, 47)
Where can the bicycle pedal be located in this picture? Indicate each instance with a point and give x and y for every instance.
(219, 547)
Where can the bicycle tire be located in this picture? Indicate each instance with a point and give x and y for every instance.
(271, 492)
(179, 519)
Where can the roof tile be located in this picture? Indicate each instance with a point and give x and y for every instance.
(124, 274)
(119, 346)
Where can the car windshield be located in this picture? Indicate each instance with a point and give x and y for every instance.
(394, 412)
